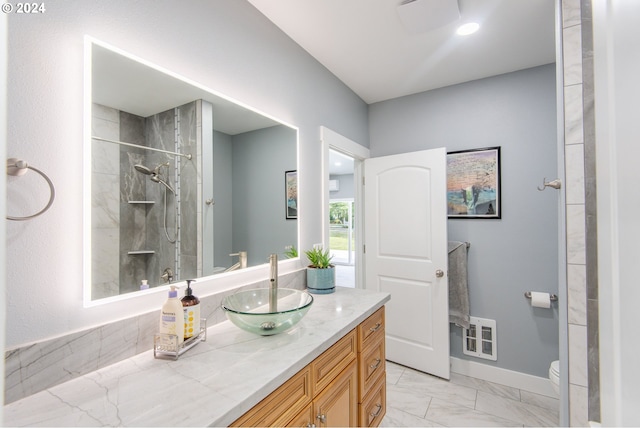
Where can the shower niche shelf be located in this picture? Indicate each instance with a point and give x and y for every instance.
(140, 252)
(143, 202)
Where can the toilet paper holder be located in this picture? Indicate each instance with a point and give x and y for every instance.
(552, 297)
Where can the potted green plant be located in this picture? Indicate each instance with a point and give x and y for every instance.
(290, 252)
(321, 274)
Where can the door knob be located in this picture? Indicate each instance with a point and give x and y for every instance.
(439, 273)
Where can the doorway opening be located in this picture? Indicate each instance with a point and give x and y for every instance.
(342, 240)
(343, 170)
(342, 232)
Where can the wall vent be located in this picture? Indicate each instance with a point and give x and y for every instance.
(334, 185)
(480, 339)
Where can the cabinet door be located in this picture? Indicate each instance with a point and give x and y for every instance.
(337, 405)
(304, 419)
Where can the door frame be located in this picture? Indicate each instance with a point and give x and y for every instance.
(331, 140)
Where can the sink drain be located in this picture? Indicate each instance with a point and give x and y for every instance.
(268, 325)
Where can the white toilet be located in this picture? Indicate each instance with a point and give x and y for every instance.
(554, 376)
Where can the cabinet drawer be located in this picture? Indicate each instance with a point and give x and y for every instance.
(371, 365)
(371, 329)
(374, 406)
(282, 405)
(326, 367)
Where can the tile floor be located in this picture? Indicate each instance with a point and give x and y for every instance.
(345, 276)
(416, 399)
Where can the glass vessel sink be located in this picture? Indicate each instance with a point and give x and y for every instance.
(250, 309)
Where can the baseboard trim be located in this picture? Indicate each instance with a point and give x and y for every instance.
(527, 382)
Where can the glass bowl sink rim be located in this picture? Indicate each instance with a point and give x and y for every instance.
(293, 291)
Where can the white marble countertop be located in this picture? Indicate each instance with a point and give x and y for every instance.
(212, 384)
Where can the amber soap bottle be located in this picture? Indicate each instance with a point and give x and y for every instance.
(191, 307)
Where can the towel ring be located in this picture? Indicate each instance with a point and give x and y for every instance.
(18, 167)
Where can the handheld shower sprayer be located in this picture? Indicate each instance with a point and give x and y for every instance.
(155, 174)
(156, 177)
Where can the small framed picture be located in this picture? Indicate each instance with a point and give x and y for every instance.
(291, 194)
(473, 183)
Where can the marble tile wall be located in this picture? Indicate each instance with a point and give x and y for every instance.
(133, 216)
(161, 134)
(105, 202)
(591, 238)
(580, 211)
(142, 225)
(33, 368)
(188, 130)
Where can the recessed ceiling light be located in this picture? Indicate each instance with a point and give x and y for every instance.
(468, 28)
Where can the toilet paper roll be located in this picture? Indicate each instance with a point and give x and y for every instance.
(540, 300)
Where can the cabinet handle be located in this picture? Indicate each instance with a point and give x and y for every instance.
(375, 328)
(377, 413)
(376, 365)
(322, 418)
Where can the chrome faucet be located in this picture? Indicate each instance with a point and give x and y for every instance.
(242, 261)
(273, 283)
(167, 275)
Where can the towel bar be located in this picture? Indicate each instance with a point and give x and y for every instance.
(552, 297)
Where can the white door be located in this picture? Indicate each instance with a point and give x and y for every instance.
(406, 255)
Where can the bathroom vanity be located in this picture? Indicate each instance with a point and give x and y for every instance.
(328, 366)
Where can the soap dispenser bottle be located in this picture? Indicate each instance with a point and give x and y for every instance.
(191, 306)
(172, 319)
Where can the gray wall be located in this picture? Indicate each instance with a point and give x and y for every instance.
(517, 253)
(260, 159)
(223, 207)
(347, 190)
(225, 45)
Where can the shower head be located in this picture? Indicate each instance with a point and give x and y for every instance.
(143, 169)
(156, 177)
(146, 170)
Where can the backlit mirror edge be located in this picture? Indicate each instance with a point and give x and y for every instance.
(147, 300)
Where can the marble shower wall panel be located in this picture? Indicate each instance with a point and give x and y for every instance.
(105, 206)
(160, 134)
(132, 215)
(187, 143)
(120, 226)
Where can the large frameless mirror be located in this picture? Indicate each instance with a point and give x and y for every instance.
(184, 183)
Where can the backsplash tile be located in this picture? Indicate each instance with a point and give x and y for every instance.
(39, 366)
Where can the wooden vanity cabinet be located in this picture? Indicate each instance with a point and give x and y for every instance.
(279, 407)
(344, 386)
